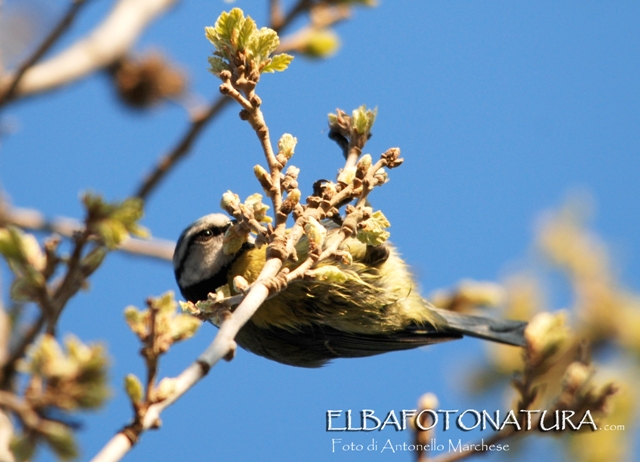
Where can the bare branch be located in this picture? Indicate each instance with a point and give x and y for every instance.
(105, 44)
(6, 435)
(275, 13)
(181, 149)
(47, 43)
(9, 366)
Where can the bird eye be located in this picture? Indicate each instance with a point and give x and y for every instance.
(204, 235)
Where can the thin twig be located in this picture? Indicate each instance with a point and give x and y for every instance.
(323, 18)
(181, 149)
(27, 415)
(107, 42)
(45, 46)
(150, 352)
(34, 220)
(71, 282)
(300, 7)
(223, 346)
(9, 367)
(275, 13)
(167, 162)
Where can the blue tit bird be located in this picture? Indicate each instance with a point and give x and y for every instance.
(374, 309)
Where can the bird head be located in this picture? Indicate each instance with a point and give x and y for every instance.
(199, 256)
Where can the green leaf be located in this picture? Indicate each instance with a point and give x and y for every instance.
(278, 63)
(372, 231)
(137, 321)
(114, 222)
(217, 65)
(362, 119)
(23, 447)
(21, 290)
(112, 233)
(129, 212)
(263, 43)
(228, 25)
(184, 326)
(10, 243)
(60, 439)
(210, 33)
(165, 303)
(93, 259)
(246, 32)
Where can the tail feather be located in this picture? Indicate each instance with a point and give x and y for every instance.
(497, 330)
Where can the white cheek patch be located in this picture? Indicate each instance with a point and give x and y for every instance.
(202, 263)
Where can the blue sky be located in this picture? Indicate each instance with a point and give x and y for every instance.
(501, 110)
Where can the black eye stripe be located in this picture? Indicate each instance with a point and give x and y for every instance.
(186, 242)
(209, 233)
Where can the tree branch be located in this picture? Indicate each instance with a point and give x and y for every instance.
(167, 162)
(106, 43)
(34, 220)
(9, 366)
(47, 43)
(223, 346)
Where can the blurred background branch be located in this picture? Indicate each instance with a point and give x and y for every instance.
(109, 41)
(34, 220)
(9, 85)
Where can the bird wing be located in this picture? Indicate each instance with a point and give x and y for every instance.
(315, 345)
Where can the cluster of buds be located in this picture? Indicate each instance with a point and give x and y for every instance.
(69, 381)
(64, 380)
(545, 335)
(286, 149)
(135, 391)
(249, 216)
(158, 328)
(114, 222)
(30, 265)
(215, 308)
(107, 225)
(355, 129)
(469, 294)
(242, 51)
(581, 392)
(160, 324)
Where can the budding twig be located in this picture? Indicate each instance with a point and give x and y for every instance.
(181, 149)
(34, 220)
